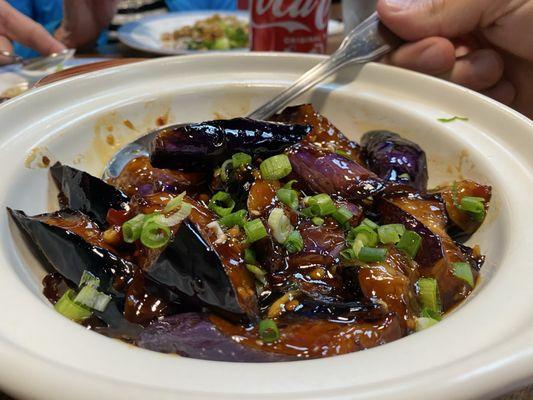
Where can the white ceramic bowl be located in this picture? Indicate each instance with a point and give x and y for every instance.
(483, 348)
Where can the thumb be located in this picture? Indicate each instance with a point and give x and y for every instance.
(417, 19)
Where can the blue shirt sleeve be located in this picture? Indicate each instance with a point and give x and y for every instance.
(190, 5)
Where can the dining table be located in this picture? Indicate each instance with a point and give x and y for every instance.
(119, 54)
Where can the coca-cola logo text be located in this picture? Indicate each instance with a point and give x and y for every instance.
(287, 16)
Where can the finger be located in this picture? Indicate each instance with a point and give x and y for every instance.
(24, 30)
(415, 19)
(479, 70)
(504, 92)
(465, 45)
(431, 56)
(5, 44)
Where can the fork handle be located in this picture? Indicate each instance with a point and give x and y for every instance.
(367, 42)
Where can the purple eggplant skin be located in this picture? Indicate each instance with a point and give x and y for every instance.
(331, 173)
(86, 193)
(194, 335)
(206, 144)
(396, 159)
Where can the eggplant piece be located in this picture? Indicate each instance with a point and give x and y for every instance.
(393, 282)
(195, 335)
(86, 193)
(206, 144)
(438, 252)
(323, 134)
(462, 224)
(331, 173)
(139, 177)
(347, 312)
(396, 159)
(208, 272)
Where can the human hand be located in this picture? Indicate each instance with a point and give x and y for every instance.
(15, 26)
(84, 20)
(486, 45)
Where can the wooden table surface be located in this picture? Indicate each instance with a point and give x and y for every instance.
(130, 55)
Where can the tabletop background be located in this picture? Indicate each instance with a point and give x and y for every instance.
(122, 51)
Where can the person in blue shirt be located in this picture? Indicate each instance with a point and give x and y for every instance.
(79, 23)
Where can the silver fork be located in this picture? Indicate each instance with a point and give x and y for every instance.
(367, 42)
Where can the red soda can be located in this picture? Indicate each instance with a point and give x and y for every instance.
(290, 25)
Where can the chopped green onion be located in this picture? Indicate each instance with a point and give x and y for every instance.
(294, 242)
(258, 272)
(255, 230)
(131, 230)
(357, 246)
(154, 235)
(268, 331)
(364, 233)
(342, 215)
(342, 153)
(463, 271)
(310, 212)
(318, 221)
(289, 184)
(70, 309)
(174, 203)
(88, 279)
(280, 225)
(175, 218)
(369, 223)
(452, 119)
(410, 243)
(224, 169)
(241, 159)
(428, 293)
(372, 254)
(237, 218)
(322, 205)
(391, 234)
(92, 298)
(424, 323)
(289, 197)
(348, 255)
(249, 256)
(276, 167)
(221, 203)
(427, 313)
(474, 206)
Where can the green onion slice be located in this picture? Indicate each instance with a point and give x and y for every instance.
(92, 298)
(424, 323)
(70, 309)
(258, 272)
(348, 255)
(427, 313)
(280, 225)
(237, 218)
(174, 203)
(390, 234)
(268, 331)
(154, 235)
(276, 167)
(222, 204)
(322, 205)
(131, 230)
(224, 169)
(318, 221)
(88, 279)
(369, 223)
(474, 206)
(294, 242)
(463, 271)
(249, 256)
(241, 159)
(255, 230)
(175, 218)
(428, 293)
(289, 197)
(289, 184)
(410, 243)
(372, 254)
(364, 233)
(342, 215)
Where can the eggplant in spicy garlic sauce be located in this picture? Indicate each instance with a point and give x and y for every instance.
(255, 241)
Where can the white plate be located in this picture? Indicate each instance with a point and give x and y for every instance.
(145, 34)
(482, 349)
